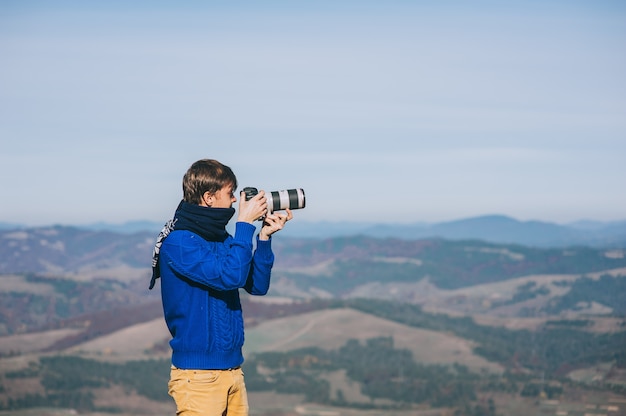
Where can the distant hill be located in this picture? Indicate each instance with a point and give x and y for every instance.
(337, 265)
(53, 273)
(75, 301)
(489, 228)
(61, 249)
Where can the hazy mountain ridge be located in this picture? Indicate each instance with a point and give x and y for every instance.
(68, 292)
(70, 249)
(490, 228)
(363, 259)
(66, 271)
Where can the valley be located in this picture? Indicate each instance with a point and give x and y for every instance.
(502, 329)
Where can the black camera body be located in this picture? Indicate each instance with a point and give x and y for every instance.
(280, 200)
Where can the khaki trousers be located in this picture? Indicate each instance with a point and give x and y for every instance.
(208, 392)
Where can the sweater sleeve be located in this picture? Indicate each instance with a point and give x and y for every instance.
(220, 266)
(258, 282)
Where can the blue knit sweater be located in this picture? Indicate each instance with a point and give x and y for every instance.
(200, 282)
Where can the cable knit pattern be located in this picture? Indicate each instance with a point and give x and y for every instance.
(200, 282)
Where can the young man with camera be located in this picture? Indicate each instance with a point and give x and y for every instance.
(202, 267)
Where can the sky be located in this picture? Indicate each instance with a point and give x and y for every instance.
(383, 112)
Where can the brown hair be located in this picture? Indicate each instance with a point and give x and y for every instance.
(206, 175)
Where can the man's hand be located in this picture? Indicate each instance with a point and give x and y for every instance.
(274, 222)
(252, 210)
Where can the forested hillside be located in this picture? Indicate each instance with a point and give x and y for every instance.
(512, 328)
(535, 364)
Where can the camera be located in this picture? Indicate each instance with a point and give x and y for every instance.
(279, 200)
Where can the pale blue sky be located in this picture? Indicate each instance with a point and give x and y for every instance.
(393, 111)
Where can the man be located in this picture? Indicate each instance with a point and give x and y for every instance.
(202, 268)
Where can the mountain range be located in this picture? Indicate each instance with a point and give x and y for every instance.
(75, 301)
(498, 229)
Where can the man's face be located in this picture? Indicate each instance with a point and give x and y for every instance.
(224, 198)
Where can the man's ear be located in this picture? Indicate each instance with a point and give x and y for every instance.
(208, 199)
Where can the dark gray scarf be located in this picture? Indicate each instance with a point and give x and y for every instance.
(209, 223)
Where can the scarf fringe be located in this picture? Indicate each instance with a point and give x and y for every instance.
(165, 231)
